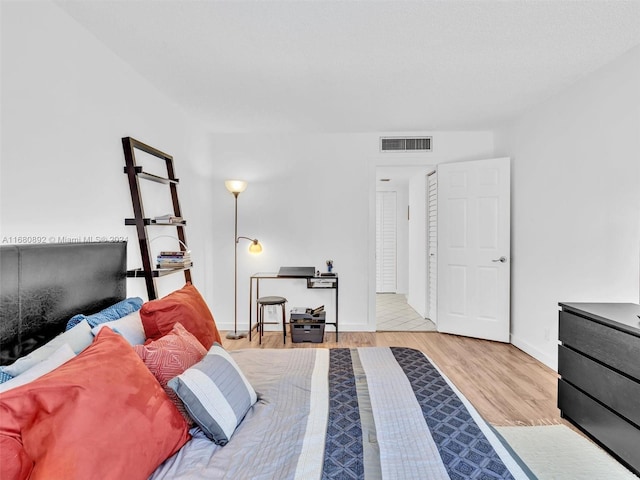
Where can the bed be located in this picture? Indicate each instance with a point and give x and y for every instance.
(111, 412)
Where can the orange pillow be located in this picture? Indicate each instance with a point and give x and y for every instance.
(185, 306)
(14, 461)
(102, 414)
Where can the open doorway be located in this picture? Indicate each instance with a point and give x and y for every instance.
(401, 249)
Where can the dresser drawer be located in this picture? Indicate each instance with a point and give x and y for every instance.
(616, 391)
(612, 347)
(619, 436)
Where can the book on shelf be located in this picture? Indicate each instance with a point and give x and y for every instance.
(177, 259)
(163, 258)
(175, 253)
(173, 260)
(174, 265)
(168, 218)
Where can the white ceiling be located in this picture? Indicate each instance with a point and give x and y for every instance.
(361, 66)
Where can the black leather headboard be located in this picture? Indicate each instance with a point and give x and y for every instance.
(42, 286)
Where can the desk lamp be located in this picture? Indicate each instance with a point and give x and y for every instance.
(237, 187)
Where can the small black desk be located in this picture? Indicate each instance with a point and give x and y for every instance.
(315, 282)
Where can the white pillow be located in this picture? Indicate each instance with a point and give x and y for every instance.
(129, 326)
(78, 338)
(57, 358)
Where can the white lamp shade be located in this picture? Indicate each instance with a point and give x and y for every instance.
(235, 186)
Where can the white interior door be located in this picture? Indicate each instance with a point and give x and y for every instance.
(386, 235)
(474, 248)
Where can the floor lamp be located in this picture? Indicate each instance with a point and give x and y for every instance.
(237, 187)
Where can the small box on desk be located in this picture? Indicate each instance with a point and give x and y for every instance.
(307, 326)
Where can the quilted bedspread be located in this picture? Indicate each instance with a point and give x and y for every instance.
(362, 413)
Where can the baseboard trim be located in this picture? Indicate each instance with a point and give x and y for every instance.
(549, 360)
(360, 327)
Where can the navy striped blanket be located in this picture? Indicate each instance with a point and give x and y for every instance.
(361, 413)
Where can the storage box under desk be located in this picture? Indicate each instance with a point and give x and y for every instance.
(307, 328)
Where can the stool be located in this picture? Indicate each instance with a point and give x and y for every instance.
(262, 301)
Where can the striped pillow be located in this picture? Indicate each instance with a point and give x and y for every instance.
(216, 394)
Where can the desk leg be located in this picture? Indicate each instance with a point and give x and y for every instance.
(337, 310)
(250, 306)
(258, 319)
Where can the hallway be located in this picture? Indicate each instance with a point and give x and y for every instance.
(393, 314)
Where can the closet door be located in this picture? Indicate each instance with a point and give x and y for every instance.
(386, 242)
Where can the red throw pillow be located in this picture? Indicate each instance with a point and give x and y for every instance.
(185, 306)
(15, 464)
(102, 414)
(169, 356)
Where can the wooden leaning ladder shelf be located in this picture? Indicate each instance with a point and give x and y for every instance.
(135, 173)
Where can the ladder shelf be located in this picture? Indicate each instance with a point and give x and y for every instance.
(135, 173)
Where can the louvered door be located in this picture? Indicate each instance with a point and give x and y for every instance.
(386, 242)
(432, 246)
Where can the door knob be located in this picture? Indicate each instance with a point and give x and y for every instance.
(501, 260)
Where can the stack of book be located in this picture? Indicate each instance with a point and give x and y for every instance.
(174, 259)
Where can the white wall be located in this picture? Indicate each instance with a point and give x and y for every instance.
(306, 201)
(311, 197)
(575, 203)
(66, 103)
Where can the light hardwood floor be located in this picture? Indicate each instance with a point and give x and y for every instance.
(507, 386)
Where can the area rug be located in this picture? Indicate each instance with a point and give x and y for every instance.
(557, 452)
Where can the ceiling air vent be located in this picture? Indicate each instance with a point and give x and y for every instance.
(403, 144)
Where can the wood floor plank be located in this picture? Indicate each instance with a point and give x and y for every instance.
(507, 386)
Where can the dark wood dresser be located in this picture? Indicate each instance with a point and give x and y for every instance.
(599, 366)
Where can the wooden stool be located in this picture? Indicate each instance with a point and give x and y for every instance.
(262, 301)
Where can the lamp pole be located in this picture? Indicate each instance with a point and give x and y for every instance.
(235, 335)
(237, 187)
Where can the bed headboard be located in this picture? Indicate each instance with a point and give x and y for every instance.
(42, 286)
